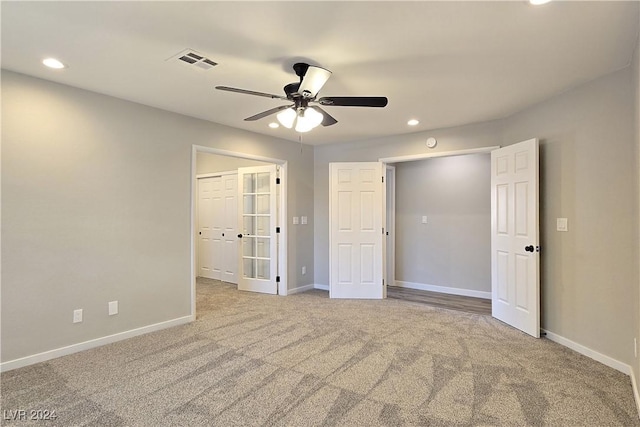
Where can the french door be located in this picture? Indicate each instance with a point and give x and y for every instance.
(257, 198)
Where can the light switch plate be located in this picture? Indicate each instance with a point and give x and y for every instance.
(303, 220)
(113, 308)
(424, 219)
(562, 224)
(296, 220)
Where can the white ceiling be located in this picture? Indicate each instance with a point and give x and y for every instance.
(444, 63)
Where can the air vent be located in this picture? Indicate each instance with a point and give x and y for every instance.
(194, 59)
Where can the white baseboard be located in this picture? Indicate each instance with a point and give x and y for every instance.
(321, 287)
(443, 289)
(74, 348)
(586, 351)
(636, 392)
(299, 289)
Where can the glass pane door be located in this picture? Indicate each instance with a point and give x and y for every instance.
(257, 221)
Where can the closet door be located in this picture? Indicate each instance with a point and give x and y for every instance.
(208, 192)
(229, 267)
(217, 227)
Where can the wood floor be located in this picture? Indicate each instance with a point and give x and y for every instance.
(436, 299)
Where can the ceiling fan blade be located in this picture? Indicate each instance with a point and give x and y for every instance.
(250, 92)
(267, 113)
(313, 81)
(328, 119)
(354, 101)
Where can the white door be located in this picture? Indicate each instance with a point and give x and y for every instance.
(390, 226)
(356, 230)
(257, 218)
(229, 256)
(515, 261)
(206, 194)
(216, 221)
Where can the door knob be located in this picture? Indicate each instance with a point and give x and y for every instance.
(239, 236)
(529, 248)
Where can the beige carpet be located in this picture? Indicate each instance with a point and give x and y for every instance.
(306, 360)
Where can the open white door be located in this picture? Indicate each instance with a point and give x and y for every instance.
(356, 230)
(515, 262)
(257, 219)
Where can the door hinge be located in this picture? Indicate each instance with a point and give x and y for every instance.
(277, 180)
(277, 279)
(383, 231)
(277, 229)
(383, 179)
(382, 282)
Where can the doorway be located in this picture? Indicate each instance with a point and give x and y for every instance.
(514, 276)
(229, 162)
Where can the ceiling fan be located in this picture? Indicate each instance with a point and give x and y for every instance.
(299, 114)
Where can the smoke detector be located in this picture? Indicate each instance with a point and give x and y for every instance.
(194, 59)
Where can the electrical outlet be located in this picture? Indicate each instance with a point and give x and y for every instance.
(304, 270)
(562, 224)
(113, 308)
(77, 315)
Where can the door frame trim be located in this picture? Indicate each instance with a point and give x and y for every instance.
(412, 157)
(281, 218)
(389, 197)
(211, 175)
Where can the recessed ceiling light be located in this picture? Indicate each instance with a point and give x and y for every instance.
(274, 125)
(413, 122)
(53, 63)
(538, 2)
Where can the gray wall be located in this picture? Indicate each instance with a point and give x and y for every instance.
(636, 83)
(211, 163)
(588, 174)
(472, 136)
(453, 248)
(96, 207)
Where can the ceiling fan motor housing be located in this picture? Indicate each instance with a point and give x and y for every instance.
(291, 89)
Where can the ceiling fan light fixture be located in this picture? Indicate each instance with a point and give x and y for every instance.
(287, 117)
(274, 125)
(308, 119)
